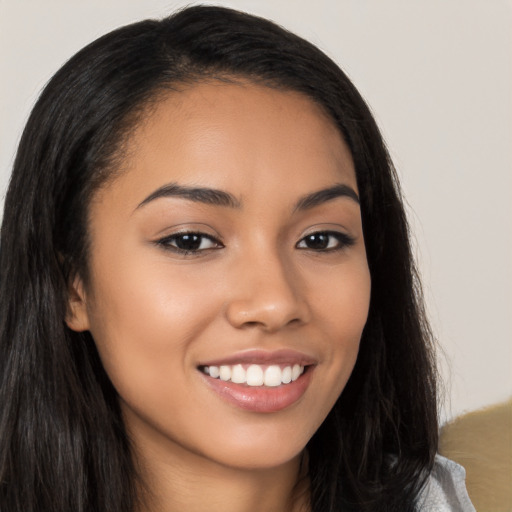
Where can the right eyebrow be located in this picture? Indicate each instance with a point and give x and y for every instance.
(204, 195)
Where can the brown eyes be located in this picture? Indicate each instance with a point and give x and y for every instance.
(196, 242)
(190, 242)
(325, 241)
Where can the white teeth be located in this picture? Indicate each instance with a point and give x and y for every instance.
(286, 376)
(238, 374)
(225, 372)
(273, 376)
(255, 375)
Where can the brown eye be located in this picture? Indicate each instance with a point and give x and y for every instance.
(325, 241)
(189, 242)
(317, 241)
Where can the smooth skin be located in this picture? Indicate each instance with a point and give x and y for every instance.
(265, 270)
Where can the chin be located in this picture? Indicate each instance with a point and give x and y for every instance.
(259, 446)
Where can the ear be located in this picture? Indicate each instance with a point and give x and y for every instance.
(77, 318)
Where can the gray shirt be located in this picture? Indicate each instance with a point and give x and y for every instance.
(445, 490)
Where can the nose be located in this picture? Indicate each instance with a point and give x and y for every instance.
(267, 294)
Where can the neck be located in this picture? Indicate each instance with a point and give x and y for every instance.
(191, 483)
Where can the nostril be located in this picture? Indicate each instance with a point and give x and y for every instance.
(251, 324)
(267, 325)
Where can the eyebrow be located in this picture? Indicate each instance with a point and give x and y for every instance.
(217, 197)
(197, 194)
(327, 194)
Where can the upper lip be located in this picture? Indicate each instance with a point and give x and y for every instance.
(281, 356)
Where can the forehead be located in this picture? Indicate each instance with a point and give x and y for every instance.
(236, 136)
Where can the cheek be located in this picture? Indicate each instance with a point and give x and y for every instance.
(143, 319)
(341, 298)
(145, 325)
(348, 313)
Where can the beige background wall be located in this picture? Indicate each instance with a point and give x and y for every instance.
(438, 75)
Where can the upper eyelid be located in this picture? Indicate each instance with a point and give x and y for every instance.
(189, 232)
(329, 231)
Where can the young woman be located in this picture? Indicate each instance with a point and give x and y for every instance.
(208, 300)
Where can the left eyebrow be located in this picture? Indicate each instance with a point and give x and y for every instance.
(327, 194)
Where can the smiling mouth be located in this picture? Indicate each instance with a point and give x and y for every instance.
(255, 375)
(260, 381)
(259, 388)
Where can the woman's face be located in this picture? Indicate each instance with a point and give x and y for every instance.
(228, 277)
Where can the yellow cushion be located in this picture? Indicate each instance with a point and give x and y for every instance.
(481, 441)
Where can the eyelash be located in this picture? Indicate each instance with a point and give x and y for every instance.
(343, 241)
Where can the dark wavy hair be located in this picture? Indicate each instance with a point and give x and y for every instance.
(63, 444)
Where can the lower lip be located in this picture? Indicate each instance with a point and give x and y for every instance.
(261, 398)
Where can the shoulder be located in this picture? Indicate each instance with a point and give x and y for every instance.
(445, 490)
